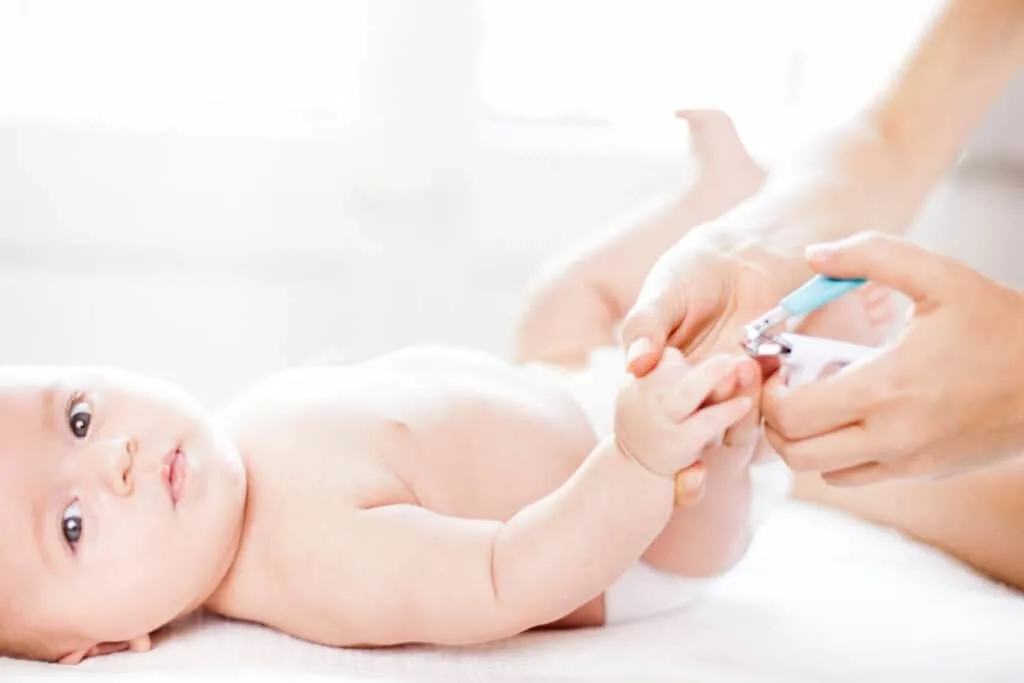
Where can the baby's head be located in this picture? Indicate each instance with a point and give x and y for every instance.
(121, 507)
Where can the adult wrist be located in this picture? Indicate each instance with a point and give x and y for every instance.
(849, 180)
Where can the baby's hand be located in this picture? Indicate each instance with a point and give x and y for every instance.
(667, 418)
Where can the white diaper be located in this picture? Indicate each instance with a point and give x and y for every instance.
(644, 591)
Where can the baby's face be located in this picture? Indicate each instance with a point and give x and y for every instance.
(120, 505)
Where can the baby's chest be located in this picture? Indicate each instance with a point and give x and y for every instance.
(323, 467)
(456, 437)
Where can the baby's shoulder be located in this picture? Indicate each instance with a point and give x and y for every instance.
(319, 417)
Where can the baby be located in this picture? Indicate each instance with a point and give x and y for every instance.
(430, 495)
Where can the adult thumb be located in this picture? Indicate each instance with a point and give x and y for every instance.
(654, 316)
(885, 260)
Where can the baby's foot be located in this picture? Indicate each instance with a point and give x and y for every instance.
(727, 172)
(862, 317)
(575, 302)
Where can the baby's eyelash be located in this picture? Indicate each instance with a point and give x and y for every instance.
(75, 397)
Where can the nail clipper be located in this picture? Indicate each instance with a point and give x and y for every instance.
(803, 356)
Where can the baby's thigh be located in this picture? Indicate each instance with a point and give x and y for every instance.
(978, 518)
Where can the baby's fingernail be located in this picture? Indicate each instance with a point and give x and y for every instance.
(639, 347)
(745, 374)
(819, 253)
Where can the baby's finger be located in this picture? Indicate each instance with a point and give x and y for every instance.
(694, 388)
(708, 423)
(725, 389)
(748, 429)
(672, 356)
(747, 375)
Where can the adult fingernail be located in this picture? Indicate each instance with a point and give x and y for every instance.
(639, 347)
(819, 253)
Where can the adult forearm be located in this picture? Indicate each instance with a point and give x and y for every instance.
(956, 70)
(874, 171)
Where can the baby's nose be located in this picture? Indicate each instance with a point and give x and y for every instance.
(117, 458)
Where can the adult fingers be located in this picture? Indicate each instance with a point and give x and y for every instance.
(884, 260)
(656, 313)
(821, 406)
(839, 450)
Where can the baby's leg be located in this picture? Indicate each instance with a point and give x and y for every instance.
(976, 517)
(576, 303)
(736, 493)
(707, 535)
(861, 317)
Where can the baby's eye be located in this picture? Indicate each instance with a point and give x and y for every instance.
(79, 417)
(71, 525)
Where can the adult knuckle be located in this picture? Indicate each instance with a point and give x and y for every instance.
(883, 395)
(636, 322)
(785, 420)
(904, 444)
(786, 450)
(864, 240)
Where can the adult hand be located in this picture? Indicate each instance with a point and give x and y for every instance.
(698, 298)
(948, 395)
(725, 273)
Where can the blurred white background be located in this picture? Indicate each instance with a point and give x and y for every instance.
(212, 189)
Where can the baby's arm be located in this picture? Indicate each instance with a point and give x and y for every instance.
(710, 532)
(425, 577)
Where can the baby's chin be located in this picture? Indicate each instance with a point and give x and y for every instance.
(216, 465)
(211, 513)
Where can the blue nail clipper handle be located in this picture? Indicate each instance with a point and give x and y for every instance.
(817, 292)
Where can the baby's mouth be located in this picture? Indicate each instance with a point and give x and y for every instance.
(175, 474)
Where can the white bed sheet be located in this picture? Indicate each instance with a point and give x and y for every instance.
(821, 597)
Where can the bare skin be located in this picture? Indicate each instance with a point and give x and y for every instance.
(974, 517)
(576, 302)
(430, 495)
(441, 495)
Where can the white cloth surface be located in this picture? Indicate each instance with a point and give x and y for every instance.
(821, 597)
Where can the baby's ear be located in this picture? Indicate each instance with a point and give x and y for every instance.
(140, 644)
